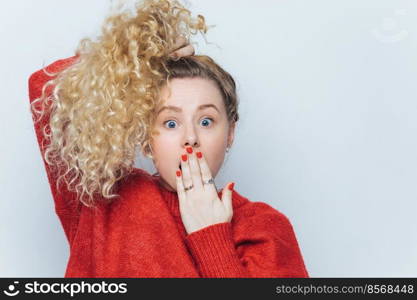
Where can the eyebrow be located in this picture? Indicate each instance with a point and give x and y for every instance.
(178, 109)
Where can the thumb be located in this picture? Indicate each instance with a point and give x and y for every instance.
(227, 195)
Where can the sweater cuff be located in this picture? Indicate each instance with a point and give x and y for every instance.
(214, 251)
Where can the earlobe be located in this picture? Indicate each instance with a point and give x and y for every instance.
(147, 154)
(231, 135)
(147, 151)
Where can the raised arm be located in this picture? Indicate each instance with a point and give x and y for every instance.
(66, 205)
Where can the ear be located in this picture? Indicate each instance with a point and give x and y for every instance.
(146, 152)
(231, 134)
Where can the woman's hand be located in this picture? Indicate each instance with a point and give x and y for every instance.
(201, 206)
(182, 48)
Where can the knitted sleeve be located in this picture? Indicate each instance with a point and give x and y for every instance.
(66, 206)
(259, 242)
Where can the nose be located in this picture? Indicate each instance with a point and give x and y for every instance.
(190, 137)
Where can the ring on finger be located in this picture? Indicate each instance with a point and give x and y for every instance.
(188, 188)
(209, 181)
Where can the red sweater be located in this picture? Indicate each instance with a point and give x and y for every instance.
(141, 233)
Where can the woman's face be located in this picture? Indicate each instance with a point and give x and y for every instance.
(193, 115)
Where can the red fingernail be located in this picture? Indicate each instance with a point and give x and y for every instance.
(231, 186)
(178, 173)
(189, 150)
(199, 154)
(184, 157)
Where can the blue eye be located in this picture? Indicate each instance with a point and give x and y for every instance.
(205, 122)
(170, 122)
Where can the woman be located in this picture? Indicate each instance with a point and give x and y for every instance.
(141, 86)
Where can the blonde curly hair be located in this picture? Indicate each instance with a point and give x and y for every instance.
(103, 106)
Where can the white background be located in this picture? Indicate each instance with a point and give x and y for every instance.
(328, 130)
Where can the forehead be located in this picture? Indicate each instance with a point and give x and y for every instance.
(190, 93)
